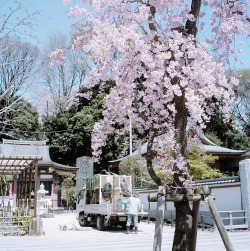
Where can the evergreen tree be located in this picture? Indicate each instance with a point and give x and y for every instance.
(19, 122)
(72, 130)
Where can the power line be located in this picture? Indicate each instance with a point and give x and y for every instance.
(43, 132)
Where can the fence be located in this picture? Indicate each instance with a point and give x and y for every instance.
(234, 219)
(14, 222)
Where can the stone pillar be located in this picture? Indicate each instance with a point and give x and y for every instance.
(38, 179)
(85, 170)
(55, 195)
(14, 191)
(59, 193)
(245, 186)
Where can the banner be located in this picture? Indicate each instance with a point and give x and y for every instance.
(52, 191)
(11, 191)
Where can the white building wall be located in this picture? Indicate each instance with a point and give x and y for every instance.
(228, 198)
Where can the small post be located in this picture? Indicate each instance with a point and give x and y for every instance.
(172, 219)
(196, 207)
(220, 225)
(202, 222)
(245, 217)
(25, 188)
(165, 209)
(36, 184)
(159, 218)
(230, 218)
(30, 187)
(149, 209)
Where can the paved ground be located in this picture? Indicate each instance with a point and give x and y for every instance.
(114, 239)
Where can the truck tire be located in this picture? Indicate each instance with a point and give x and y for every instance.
(100, 223)
(82, 220)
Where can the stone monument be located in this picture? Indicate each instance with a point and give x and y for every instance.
(85, 170)
(245, 186)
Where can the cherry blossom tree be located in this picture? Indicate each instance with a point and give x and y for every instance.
(165, 79)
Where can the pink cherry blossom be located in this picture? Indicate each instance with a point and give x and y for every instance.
(57, 56)
(65, 2)
(153, 62)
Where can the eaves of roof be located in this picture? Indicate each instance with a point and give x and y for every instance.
(225, 180)
(221, 150)
(57, 165)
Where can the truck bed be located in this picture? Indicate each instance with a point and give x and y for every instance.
(104, 209)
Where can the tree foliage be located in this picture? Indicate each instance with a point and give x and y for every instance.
(241, 111)
(233, 134)
(136, 167)
(68, 190)
(4, 184)
(18, 63)
(72, 130)
(60, 81)
(19, 122)
(198, 161)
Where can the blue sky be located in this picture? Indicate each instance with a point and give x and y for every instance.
(54, 18)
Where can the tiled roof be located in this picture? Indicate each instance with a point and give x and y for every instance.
(221, 150)
(209, 147)
(20, 147)
(233, 179)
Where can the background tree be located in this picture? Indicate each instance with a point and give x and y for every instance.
(72, 130)
(136, 167)
(59, 81)
(198, 162)
(68, 190)
(233, 134)
(163, 78)
(4, 186)
(241, 109)
(18, 63)
(21, 121)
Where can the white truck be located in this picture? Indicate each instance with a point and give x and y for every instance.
(103, 201)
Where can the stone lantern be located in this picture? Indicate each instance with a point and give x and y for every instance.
(41, 209)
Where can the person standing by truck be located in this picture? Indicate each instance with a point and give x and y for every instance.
(134, 207)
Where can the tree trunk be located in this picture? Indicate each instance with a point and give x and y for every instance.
(183, 228)
(149, 157)
(184, 218)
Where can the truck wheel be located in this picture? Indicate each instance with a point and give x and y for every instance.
(100, 223)
(82, 220)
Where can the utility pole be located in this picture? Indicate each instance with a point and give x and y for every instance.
(130, 136)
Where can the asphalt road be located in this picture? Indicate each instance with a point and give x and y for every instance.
(115, 239)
